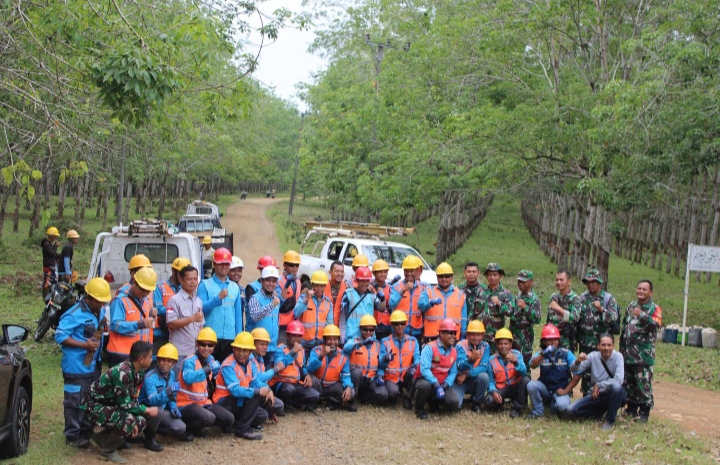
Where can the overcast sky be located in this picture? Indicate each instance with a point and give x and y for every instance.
(287, 62)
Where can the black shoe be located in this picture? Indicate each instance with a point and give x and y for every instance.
(631, 411)
(201, 434)
(407, 403)
(153, 445)
(532, 416)
(514, 413)
(310, 408)
(258, 427)
(352, 406)
(250, 435)
(434, 408)
(228, 430)
(281, 413)
(124, 446)
(643, 415)
(80, 443)
(477, 407)
(188, 437)
(421, 414)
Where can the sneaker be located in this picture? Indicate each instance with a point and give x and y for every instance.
(608, 425)
(250, 435)
(515, 413)
(407, 403)
(532, 416)
(188, 437)
(153, 445)
(113, 456)
(421, 414)
(80, 443)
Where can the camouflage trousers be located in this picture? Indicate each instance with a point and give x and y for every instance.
(638, 383)
(119, 421)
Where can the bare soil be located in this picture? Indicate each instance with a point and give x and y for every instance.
(333, 436)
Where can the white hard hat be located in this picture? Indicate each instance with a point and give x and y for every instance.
(270, 272)
(236, 263)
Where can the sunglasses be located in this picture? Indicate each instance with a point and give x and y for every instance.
(367, 330)
(444, 276)
(206, 344)
(448, 332)
(292, 265)
(399, 324)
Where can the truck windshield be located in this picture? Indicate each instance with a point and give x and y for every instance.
(157, 253)
(392, 254)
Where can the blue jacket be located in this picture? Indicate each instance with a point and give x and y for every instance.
(520, 368)
(288, 359)
(190, 374)
(233, 384)
(269, 322)
(315, 362)
(154, 391)
(360, 306)
(555, 369)
(426, 365)
(162, 311)
(224, 316)
(261, 376)
(424, 306)
(78, 323)
(466, 365)
(118, 317)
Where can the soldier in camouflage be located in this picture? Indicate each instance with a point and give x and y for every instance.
(472, 288)
(637, 344)
(599, 313)
(527, 313)
(112, 403)
(564, 310)
(496, 303)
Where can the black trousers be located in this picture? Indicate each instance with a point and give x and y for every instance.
(196, 417)
(296, 395)
(517, 392)
(425, 392)
(248, 414)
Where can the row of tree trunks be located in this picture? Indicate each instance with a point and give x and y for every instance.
(460, 213)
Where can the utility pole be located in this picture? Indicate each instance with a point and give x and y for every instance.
(297, 162)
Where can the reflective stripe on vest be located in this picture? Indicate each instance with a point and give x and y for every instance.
(291, 373)
(505, 375)
(464, 344)
(409, 303)
(286, 318)
(337, 304)
(403, 360)
(194, 393)
(330, 372)
(120, 343)
(314, 319)
(451, 307)
(221, 390)
(383, 318)
(441, 364)
(167, 293)
(366, 360)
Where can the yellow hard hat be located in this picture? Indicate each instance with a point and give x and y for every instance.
(207, 334)
(261, 334)
(475, 326)
(180, 263)
(444, 268)
(380, 265)
(411, 262)
(291, 256)
(360, 260)
(331, 331)
(139, 261)
(244, 340)
(367, 320)
(72, 234)
(398, 316)
(168, 351)
(52, 231)
(98, 289)
(319, 277)
(207, 240)
(503, 333)
(146, 278)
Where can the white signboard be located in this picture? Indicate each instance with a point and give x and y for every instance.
(703, 258)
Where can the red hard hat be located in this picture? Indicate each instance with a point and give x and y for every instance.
(296, 328)
(265, 260)
(363, 274)
(447, 325)
(550, 331)
(222, 255)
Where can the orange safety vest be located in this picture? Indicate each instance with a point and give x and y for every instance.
(291, 373)
(383, 318)
(314, 319)
(366, 360)
(466, 348)
(505, 375)
(194, 393)
(286, 318)
(221, 390)
(120, 343)
(403, 361)
(441, 364)
(337, 304)
(410, 307)
(167, 294)
(451, 307)
(330, 372)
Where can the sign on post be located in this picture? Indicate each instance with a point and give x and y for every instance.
(699, 258)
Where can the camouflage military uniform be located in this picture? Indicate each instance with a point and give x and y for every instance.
(637, 345)
(594, 323)
(111, 401)
(522, 321)
(571, 303)
(493, 316)
(472, 298)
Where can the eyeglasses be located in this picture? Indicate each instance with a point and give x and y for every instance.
(402, 323)
(206, 344)
(367, 330)
(442, 276)
(292, 265)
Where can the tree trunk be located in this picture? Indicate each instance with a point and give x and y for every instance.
(674, 219)
(16, 215)
(83, 201)
(716, 216)
(128, 199)
(163, 193)
(3, 205)
(106, 194)
(61, 199)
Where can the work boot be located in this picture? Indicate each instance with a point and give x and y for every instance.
(477, 407)
(186, 437)
(407, 403)
(109, 446)
(421, 414)
(153, 445)
(199, 433)
(643, 414)
(631, 411)
(352, 406)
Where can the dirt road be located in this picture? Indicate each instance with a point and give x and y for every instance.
(696, 410)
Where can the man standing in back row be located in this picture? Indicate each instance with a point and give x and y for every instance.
(497, 303)
(564, 310)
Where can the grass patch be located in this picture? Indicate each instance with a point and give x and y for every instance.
(290, 230)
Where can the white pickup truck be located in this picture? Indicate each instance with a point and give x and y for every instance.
(344, 240)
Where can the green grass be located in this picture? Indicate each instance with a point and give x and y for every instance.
(289, 230)
(21, 303)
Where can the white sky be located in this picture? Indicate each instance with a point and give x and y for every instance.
(287, 62)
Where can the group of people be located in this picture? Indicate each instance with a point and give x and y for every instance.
(187, 353)
(57, 265)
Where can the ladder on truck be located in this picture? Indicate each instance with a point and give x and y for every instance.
(356, 229)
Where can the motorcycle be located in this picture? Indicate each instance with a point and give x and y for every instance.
(61, 297)
(243, 195)
(269, 194)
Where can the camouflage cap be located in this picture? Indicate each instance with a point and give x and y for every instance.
(592, 275)
(525, 275)
(494, 267)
